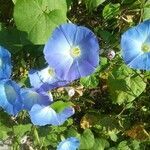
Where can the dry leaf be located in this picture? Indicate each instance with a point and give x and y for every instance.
(138, 132)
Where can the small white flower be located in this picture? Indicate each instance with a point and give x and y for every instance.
(111, 54)
(24, 140)
(70, 91)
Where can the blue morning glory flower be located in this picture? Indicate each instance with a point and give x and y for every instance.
(30, 97)
(71, 143)
(73, 51)
(5, 63)
(135, 44)
(44, 115)
(45, 79)
(10, 99)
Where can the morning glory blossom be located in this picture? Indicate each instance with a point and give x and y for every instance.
(71, 143)
(5, 63)
(135, 44)
(45, 79)
(73, 51)
(30, 97)
(41, 115)
(10, 99)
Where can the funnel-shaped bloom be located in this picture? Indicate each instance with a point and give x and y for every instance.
(73, 51)
(71, 143)
(30, 97)
(135, 44)
(5, 63)
(45, 79)
(41, 115)
(10, 99)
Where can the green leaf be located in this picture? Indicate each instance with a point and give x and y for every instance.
(110, 123)
(92, 4)
(13, 39)
(59, 106)
(21, 129)
(39, 18)
(72, 132)
(146, 14)
(111, 11)
(14, 1)
(89, 81)
(125, 84)
(107, 36)
(3, 134)
(4, 131)
(112, 134)
(87, 139)
(100, 144)
(123, 146)
(135, 145)
(49, 135)
(103, 65)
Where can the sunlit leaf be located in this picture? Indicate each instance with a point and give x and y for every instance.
(21, 129)
(89, 81)
(39, 18)
(59, 106)
(123, 146)
(100, 144)
(87, 139)
(4, 132)
(111, 10)
(91, 4)
(125, 85)
(146, 14)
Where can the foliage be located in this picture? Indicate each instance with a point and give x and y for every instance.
(112, 107)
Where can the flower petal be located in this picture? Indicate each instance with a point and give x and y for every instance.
(89, 47)
(71, 143)
(10, 99)
(57, 44)
(62, 59)
(131, 44)
(141, 62)
(84, 66)
(41, 115)
(62, 65)
(44, 80)
(5, 63)
(69, 30)
(30, 97)
(65, 114)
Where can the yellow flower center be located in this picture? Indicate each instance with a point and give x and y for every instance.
(75, 52)
(146, 48)
(51, 72)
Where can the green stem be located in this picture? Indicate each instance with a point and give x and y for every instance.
(36, 135)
